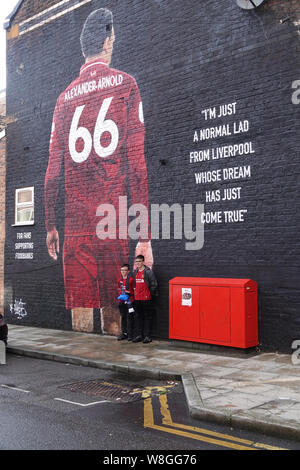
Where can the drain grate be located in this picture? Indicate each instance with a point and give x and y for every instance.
(117, 392)
(111, 391)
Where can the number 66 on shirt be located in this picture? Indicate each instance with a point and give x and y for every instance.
(102, 125)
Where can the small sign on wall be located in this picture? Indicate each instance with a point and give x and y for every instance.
(186, 296)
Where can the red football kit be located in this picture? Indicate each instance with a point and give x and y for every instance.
(141, 289)
(98, 137)
(122, 286)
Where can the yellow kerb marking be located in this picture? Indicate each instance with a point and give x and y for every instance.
(183, 430)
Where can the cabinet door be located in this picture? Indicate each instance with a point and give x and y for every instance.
(185, 314)
(215, 313)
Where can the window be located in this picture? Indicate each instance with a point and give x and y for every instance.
(24, 207)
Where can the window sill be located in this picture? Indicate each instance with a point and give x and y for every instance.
(23, 224)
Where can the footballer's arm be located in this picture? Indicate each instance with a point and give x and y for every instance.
(52, 186)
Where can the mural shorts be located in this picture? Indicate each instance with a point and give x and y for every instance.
(91, 270)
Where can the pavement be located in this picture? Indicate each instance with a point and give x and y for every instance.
(257, 391)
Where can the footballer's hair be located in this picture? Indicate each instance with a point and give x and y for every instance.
(97, 27)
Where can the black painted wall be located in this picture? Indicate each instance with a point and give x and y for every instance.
(186, 57)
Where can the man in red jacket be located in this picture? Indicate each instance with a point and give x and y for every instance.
(98, 138)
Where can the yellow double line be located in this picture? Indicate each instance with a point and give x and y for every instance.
(191, 432)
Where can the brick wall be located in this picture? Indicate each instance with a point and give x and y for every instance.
(2, 198)
(32, 8)
(188, 58)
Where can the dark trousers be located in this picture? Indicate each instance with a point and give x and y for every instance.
(127, 320)
(144, 313)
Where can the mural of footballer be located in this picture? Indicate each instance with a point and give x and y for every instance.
(98, 134)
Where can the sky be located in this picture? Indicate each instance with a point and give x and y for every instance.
(7, 7)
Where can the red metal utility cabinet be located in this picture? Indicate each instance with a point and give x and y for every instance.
(216, 311)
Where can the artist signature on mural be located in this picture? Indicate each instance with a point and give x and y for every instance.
(18, 309)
